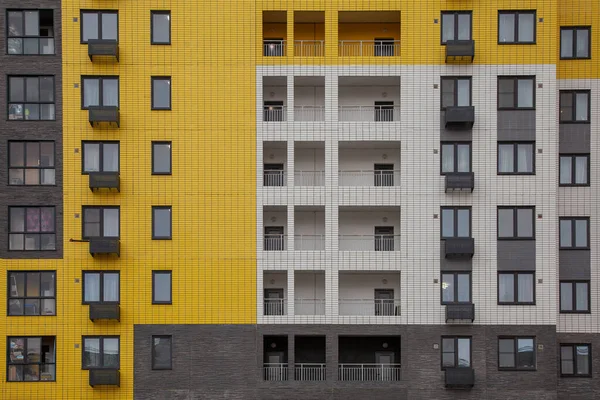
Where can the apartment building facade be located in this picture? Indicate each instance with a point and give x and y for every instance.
(349, 199)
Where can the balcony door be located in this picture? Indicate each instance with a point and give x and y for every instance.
(273, 175)
(384, 174)
(384, 47)
(273, 301)
(385, 359)
(275, 368)
(384, 111)
(384, 238)
(273, 111)
(384, 302)
(274, 238)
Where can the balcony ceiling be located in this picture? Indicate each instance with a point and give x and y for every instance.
(273, 17)
(308, 145)
(309, 209)
(370, 81)
(309, 17)
(378, 209)
(371, 144)
(368, 17)
(275, 81)
(310, 81)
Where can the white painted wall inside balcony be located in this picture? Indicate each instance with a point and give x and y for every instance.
(309, 222)
(309, 159)
(362, 285)
(274, 155)
(365, 91)
(357, 222)
(309, 96)
(280, 219)
(365, 159)
(276, 280)
(275, 89)
(309, 285)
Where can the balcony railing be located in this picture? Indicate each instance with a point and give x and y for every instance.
(275, 372)
(309, 178)
(309, 242)
(369, 372)
(310, 372)
(369, 113)
(309, 306)
(369, 307)
(309, 113)
(274, 113)
(274, 48)
(275, 242)
(274, 178)
(369, 178)
(369, 48)
(309, 48)
(275, 307)
(369, 242)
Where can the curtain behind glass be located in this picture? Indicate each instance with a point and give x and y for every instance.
(581, 106)
(565, 233)
(506, 284)
(448, 223)
(525, 93)
(91, 157)
(566, 296)
(111, 222)
(526, 27)
(464, 92)
(447, 158)
(506, 28)
(448, 27)
(92, 287)
(91, 92)
(525, 287)
(581, 296)
(464, 352)
(581, 170)
(583, 37)
(464, 26)
(566, 43)
(110, 159)
(111, 287)
(89, 25)
(506, 158)
(525, 158)
(448, 288)
(464, 157)
(110, 92)
(565, 170)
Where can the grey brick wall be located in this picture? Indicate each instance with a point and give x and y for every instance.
(30, 130)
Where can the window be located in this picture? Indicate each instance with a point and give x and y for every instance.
(100, 352)
(516, 288)
(575, 360)
(100, 222)
(515, 223)
(161, 92)
(30, 32)
(456, 287)
(456, 352)
(161, 158)
(31, 163)
(456, 157)
(456, 222)
(32, 293)
(456, 25)
(516, 353)
(161, 222)
(100, 91)
(161, 27)
(574, 297)
(575, 106)
(100, 157)
(575, 170)
(161, 352)
(161, 287)
(516, 27)
(456, 91)
(101, 287)
(575, 42)
(102, 25)
(516, 158)
(31, 98)
(574, 233)
(32, 228)
(31, 359)
(516, 92)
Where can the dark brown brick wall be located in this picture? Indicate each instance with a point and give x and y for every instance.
(30, 130)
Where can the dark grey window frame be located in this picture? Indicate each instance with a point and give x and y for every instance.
(515, 223)
(162, 272)
(154, 366)
(574, 29)
(516, 158)
(573, 94)
(152, 14)
(455, 210)
(100, 13)
(23, 11)
(101, 79)
(23, 298)
(455, 279)
(574, 232)
(515, 79)
(516, 13)
(162, 143)
(9, 364)
(25, 232)
(455, 152)
(101, 351)
(573, 284)
(101, 290)
(516, 301)
(26, 167)
(516, 351)
(101, 155)
(154, 209)
(101, 208)
(25, 102)
(573, 158)
(470, 338)
(455, 14)
(455, 79)
(574, 351)
(161, 78)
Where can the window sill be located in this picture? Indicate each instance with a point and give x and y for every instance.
(517, 369)
(516, 43)
(513, 238)
(575, 312)
(574, 185)
(516, 304)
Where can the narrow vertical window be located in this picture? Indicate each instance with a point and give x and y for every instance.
(161, 92)
(162, 352)
(161, 287)
(161, 223)
(161, 158)
(161, 27)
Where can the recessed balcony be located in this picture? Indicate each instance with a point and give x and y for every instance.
(309, 163)
(275, 358)
(105, 377)
(309, 292)
(309, 227)
(370, 164)
(105, 246)
(104, 311)
(310, 358)
(274, 33)
(275, 228)
(460, 50)
(375, 294)
(369, 99)
(275, 293)
(309, 33)
(104, 114)
(309, 98)
(274, 164)
(460, 182)
(369, 229)
(460, 378)
(274, 99)
(103, 48)
(105, 180)
(369, 33)
(369, 358)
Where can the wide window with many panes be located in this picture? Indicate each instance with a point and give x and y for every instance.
(516, 223)
(101, 287)
(574, 233)
(575, 106)
(516, 288)
(31, 98)
(576, 359)
(103, 25)
(30, 32)
(456, 91)
(101, 352)
(456, 287)
(516, 353)
(456, 222)
(101, 222)
(456, 352)
(456, 157)
(516, 92)
(31, 358)
(574, 296)
(516, 158)
(32, 228)
(31, 163)
(516, 27)
(575, 42)
(32, 293)
(456, 25)
(574, 170)
(100, 157)
(100, 91)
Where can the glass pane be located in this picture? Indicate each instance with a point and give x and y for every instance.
(447, 27)
(566, 353)
(448, 345)
(16, 242)
(448, 92)
(17, 284)
(91, 288)
(582, 40)
(47, 219)
(464, 157)
(464, 26)
(566, 107)
(91, 352)
(463, 223)
(47, 284)
(506, 158)
(17, 220)
(110, 92)
(525, 353)
(565, 170)
(525, 158)
(583, 360)
(31, 46)
(47, 46)
(48, 307)
(463, 92)
(110, 159)
(89, 26)
(32, 307)
(15, 23)
(17, 350)
(506, 345)
(525, 288)
(91, 92)
(526, 27)
(109, 26)
(162, 352)
(506, 360)
(448, 359)
(34, 350)
(566, 233)
(506, 28)
(447, 288)
(581, 106)
(162, 222)
(32, 25)
(15, 373)
(46, 89)
(16, 154)
(111, 222)
(32, 87)
(525, 93)
(91, 222)
(506, 288)
(111, 353)
(162, 158)
(581, 233)
(581, 170)
(111, 287)
(505, 222)
(447, 158)
(32, 149)
(16, 177)
(48, 372)
(32, 112)
(581, 298)
(566, 296)
(525, 223)
(464, 288)
(32, 177)
(160, 28)
(31, 373)
(47, 151)
(17, 90)
(91, 157)
(162, 287)
(161, 93)
(47, 112)
(33, 284)
(566, 43)
(464, 352)
(447, 223)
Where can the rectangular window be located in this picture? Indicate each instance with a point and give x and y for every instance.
(575, 106)
(516, 27)
(456, 91)
(574, 296)
(31, 98)
(456, 25)
(161, 92)
(100, 91)
(516, 288)
(161, 352)
(101, 287)
(576, 360)
(100, 352)
(456, 287)
(516, 92)
(161, 222)
(32, 293)
(101, 222)
(100, 157)
(575, 42)
(574, 170)
(32, 228)
(161, 27)
(516, 158)
(31, 359)
(161, 158)
(456, 222)
(31, 163)
(161, 287)
(30, 32)
(456, 352)
(516, 353)
(103, 25)
(574, 233)
(456, 157)
(516, 223)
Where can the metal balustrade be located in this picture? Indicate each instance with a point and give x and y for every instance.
(369, 48)
(309, 113)
(274, 113)
(275, 242)
(275, 372)
(309, 242)
(369, 178)
(274, 48)
(369, 372)
(275, 307)
(309, 306)
(274, 178)
(309, 178)
(310, 372)
(369, 242)
(369, 307)
(372, 113)
(309, 48)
